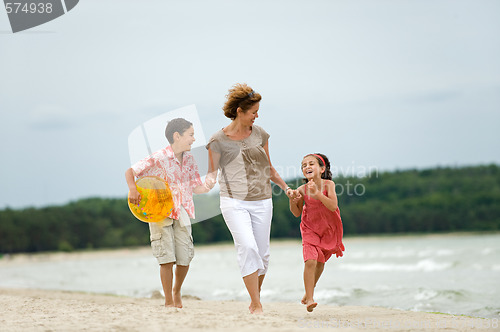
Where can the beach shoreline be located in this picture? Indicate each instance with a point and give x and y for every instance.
(43, 310)
(24, 257)
(44, 274)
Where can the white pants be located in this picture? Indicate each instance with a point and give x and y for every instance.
(250, 225)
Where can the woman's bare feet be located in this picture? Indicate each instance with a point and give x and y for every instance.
(255, 308)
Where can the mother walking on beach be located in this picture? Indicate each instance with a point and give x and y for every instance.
(241, 152)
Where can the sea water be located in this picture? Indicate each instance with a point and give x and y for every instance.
(457, 274)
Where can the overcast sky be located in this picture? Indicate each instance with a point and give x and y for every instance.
(383, 84)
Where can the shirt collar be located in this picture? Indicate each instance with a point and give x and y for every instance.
(171, 155)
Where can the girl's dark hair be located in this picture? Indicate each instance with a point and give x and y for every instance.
(240, 95)
(178, 125)
(327, 174)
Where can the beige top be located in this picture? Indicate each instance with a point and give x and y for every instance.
(245, 168)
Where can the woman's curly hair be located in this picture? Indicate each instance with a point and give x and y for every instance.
(240, 95)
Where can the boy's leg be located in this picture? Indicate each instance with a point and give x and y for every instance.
(166, 277)
(162, 243)
(184, 253)
(309, 283)
(180, 274)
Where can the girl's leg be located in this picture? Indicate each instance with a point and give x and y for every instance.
(317, 273)
(166, 277)
(309, 283)
(319, 270)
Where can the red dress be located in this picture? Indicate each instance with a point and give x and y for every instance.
(321, 231)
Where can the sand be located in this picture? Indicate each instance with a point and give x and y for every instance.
(42, 310)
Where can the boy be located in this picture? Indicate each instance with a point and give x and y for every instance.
(171, 239)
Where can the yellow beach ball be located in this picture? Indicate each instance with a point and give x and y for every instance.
(156, 199)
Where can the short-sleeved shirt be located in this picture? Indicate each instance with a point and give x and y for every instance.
(182, 178)
(244, 165)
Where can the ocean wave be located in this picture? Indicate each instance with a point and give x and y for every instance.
(431, 294)
(426, 265)
(400, 252)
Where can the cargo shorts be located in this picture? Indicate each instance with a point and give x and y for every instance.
(171, 242)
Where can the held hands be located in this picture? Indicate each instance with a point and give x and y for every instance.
(209, 183)
(293, 195)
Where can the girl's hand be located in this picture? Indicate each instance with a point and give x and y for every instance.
(297, 197)
(312, 190)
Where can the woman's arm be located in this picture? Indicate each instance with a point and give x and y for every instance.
(275, 177)
(213, 168)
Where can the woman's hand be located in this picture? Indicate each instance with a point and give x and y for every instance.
(209, 183)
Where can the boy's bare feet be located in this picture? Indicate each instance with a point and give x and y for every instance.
(255, 308)
(303, 301)
(177, 299)
(311, 305)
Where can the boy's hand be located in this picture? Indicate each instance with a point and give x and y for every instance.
(134, 197)
(209, 183)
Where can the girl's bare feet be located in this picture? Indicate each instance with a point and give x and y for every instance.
(311, 305)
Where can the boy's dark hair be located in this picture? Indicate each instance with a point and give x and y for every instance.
(327, 174)
(178, 125)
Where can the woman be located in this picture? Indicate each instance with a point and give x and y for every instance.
(241, 152)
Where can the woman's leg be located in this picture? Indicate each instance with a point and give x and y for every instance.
(252, 284)
(239, 223)
(261, 213)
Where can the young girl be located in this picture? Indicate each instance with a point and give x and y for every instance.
(321, 226)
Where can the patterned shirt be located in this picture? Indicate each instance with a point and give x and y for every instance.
(182, 178)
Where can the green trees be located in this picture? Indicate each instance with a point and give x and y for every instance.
(431, 200)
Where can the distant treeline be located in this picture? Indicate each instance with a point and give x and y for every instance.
(431, 200)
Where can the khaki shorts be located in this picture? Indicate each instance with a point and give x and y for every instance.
(172, 243)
